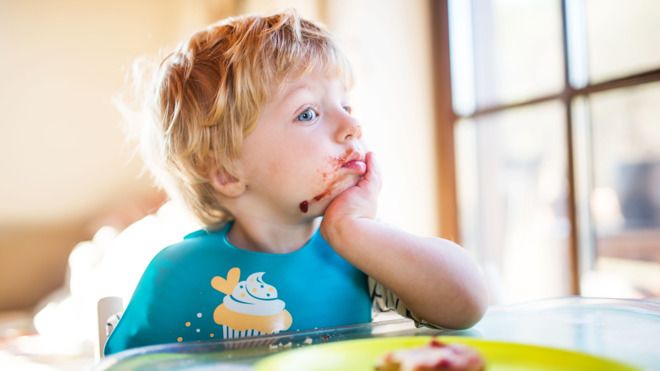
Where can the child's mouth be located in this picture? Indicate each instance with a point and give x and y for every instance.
(358, 165)
(353, 160)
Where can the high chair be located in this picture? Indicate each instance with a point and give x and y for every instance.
(108, 313)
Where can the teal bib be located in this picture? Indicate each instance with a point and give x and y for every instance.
(204, 288)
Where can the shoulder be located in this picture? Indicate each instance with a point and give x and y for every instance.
(191, 245)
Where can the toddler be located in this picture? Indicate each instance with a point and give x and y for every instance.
(251, 127)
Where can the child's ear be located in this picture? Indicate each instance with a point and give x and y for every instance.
(227, 184)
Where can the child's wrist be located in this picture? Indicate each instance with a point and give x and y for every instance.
(337, 231)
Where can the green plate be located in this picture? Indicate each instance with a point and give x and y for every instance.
(363, 354)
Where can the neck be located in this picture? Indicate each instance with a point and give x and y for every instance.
(270, 237)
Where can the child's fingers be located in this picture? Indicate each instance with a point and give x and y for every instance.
(371, 180)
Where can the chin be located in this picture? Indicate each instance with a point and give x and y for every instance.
(341, 187)
(323, 200)
(344, 184)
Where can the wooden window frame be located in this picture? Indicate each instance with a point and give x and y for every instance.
(446, 121)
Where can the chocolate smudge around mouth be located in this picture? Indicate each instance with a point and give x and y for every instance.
(337, 163)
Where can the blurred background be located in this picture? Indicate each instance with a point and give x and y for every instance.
(529, 131)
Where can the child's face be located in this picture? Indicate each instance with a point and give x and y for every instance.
(305, 150)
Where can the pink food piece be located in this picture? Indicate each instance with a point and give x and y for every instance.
(433, 356)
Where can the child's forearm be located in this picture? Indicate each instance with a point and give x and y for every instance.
(435, 278)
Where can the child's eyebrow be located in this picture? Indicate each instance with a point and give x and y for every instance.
(289, 93)
(294, 89)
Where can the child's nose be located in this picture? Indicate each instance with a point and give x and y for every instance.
(349, 128)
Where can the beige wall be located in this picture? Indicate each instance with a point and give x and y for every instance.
(64, 160)
(389, 45)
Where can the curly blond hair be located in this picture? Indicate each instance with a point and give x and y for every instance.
(205, 98)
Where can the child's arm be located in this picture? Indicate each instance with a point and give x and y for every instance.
(436, 279)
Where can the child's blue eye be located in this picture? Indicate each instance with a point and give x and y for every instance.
(348, 109)
(307, 115)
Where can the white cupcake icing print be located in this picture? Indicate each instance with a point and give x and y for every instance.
(250, 307)
(254, 296)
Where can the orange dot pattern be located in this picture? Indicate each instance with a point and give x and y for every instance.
(197, 330)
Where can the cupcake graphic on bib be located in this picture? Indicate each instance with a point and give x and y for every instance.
(250, 307)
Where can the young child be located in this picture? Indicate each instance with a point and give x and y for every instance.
(253, 127)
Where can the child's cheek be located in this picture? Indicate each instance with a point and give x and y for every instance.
(329, 179)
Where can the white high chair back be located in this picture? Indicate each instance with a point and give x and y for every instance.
(108, 312)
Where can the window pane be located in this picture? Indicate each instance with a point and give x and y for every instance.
(625, 200)
(512, 197)
(623, 37)
(517, 50)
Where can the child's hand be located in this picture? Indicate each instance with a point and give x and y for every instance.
(359, 201)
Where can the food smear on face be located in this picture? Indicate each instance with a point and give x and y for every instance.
(321, 196)
(336, 163)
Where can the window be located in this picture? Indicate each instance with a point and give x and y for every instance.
(552, 109)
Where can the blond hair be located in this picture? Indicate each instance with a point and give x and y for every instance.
(206, 96)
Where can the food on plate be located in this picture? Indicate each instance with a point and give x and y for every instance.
(433, 356)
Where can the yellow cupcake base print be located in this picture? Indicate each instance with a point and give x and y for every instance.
(250, 307)
(236, 324)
